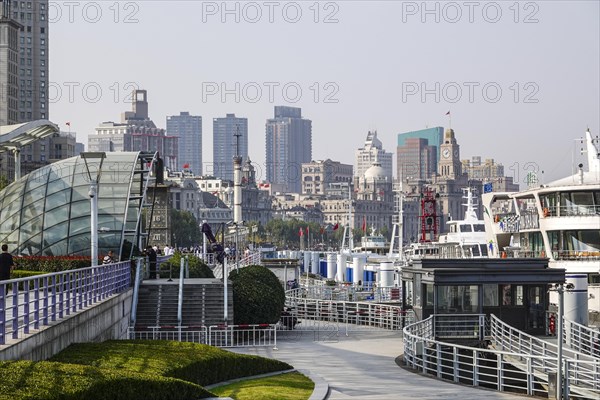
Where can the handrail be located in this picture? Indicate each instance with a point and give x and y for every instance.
(182, 272)
(136, 290)
(582, 338)
(58, 294)
(472, 365)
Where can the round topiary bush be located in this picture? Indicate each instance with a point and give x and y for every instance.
(198, 269)
(258, 296)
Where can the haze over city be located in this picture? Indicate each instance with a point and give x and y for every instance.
(520, 79)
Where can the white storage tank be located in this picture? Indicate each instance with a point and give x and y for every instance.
(386, 274)
(358, 267)
(307, 259)
(331, 265)
(314, 265)
(576, 299)
(341, 268)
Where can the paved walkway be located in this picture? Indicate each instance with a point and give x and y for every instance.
(363, 366)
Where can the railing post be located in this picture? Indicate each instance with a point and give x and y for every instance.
(475, 368)
(45, 302)
(499, 365)
(26, 307)
(3, 314)
(15, 310)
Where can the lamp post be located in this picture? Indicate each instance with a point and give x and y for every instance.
(560, 289)
(89, 158)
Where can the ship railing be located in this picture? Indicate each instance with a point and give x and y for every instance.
(571, 211)
(576, 255)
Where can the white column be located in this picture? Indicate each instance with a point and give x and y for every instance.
(358, 266)
(237, 189)
(341, 268)
(94, 222)
(17, 154)
(314, 268)
(331, 267)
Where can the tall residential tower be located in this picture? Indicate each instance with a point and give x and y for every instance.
(224, 144)
(288, 145)
(189, 130)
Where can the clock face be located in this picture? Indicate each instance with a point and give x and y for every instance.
(455, 152)
(446, 153)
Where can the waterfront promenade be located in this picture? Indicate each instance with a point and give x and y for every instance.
(363, 366)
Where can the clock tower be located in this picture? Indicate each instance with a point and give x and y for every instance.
(449, 165)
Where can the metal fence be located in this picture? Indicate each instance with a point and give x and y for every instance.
(259, 335)
(582, 338)
(28, 303)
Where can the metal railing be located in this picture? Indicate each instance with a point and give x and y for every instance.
(183, 273)
(571, 211)
(582, 338)
(523, 365)
(195, 334)
(574, 255)
(348, 293)
(39, 300)
(583, 371)
(459, 326)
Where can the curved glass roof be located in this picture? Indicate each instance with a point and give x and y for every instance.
(47, 212)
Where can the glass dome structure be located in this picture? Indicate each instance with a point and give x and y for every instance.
(47, 212)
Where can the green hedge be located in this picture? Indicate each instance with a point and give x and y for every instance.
(258, 296)
(28, 380)
(196, 363)
(48, 264)
(198, 269)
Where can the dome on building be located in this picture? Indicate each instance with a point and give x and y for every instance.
(47, 212)
(375, 172)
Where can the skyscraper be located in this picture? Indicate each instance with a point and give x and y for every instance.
(24, 75)
(225, 144)
(9, 51)
(372, 152)
(419, 163)
(189, 130)
(288, 145)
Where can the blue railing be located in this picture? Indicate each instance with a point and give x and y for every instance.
(39, 300)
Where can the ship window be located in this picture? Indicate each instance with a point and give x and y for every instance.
(479, 228)
(483, 249)
(466, 228)
(458, 299)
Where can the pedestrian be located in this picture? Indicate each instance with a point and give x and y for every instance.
(109, 258)
(7, 263)
(152, 261)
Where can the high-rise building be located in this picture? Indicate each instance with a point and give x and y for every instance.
(434, 138)
(417, 160)
(225, 142)
(136, 132)
(288, 145)
(371, 153)
(189, 130)
(9, 67)
(24, 75)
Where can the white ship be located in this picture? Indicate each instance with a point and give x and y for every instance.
(466, 238)
(559, 220)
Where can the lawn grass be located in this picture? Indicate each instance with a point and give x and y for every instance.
(29, 380)
(192, 362)
(289, 386)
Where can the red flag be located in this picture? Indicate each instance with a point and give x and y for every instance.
(186, 165)
(448, 113)
(336, 226)
(364, 224)
(301, 232)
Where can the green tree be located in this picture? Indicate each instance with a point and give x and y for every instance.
(258, 296)
(184, 228)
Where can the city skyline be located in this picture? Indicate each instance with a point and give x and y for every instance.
(390, 67)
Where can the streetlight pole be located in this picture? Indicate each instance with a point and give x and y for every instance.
(93, 193)
(559, 379)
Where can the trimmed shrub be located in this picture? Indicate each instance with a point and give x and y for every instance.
(47, 264)
(192, 362)
(28, 380)
(258, 296)
(198, 269)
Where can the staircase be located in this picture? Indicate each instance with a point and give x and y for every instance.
(202, 304)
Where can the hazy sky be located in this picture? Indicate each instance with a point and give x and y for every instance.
(521, 79)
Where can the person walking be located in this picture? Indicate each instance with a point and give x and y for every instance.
(109, 258)
(152, 261)
(7, 263)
